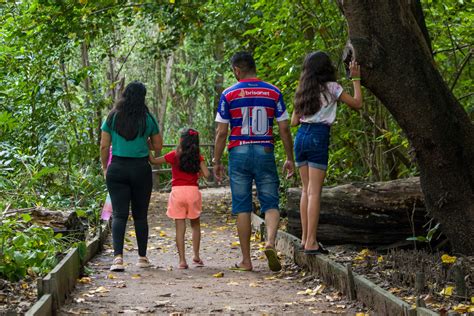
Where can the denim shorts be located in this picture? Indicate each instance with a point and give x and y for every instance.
(248, 163)
(311, 145)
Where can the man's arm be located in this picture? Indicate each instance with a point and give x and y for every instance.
(285, 135)
(219, 146)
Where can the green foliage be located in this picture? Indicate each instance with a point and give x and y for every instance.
(27, 249)
(61, 65)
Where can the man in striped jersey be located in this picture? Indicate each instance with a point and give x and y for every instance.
(250, 107)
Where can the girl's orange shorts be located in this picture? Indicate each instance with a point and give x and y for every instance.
(184, 202)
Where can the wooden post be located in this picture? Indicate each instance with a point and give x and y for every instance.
(419, 282)
(459, 280)
(351, 293)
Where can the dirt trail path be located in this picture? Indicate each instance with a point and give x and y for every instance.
(164, 289)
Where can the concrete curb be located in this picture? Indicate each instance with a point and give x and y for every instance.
(339, 277)
(56, 285)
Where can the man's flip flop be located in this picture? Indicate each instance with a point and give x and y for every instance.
(236, 267)
(273, 261)
(320, 250)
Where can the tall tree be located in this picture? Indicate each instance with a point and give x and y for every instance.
(391, 42)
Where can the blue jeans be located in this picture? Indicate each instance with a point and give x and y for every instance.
(312, 145)
(248, 163)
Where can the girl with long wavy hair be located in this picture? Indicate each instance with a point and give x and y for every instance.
(185, 202)
(315, 109)
(130, 129)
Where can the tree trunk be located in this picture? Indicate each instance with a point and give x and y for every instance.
(165, 87)
(87, 84)
(377, 213)
(390, 42)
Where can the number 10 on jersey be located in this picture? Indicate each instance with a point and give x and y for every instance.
(259, 120)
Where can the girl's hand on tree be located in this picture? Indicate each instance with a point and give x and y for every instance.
(354, 68)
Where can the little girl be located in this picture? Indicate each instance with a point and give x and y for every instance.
(315, 109)
(187, 165)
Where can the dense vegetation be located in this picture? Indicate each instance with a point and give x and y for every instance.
(62, 64)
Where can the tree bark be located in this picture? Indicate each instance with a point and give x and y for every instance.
(376, 213)
(165, 87)
(87, 84)
(392, 45)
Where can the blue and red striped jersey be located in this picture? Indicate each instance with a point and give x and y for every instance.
(250, 106)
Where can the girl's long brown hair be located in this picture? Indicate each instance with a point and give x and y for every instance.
(317, 70)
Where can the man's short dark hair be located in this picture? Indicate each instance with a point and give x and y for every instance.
(244, 61)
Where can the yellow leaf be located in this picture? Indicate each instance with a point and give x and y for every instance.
(111, 276)
(380, 259)
(362, 314)
(448, 259)
(162, 234)
(319, 289)
(470, 309)
(218, 275)
(132, 234)
(85, 280)
(461, 308)
(447, 291)
(100, 289)
(172, 1)
(472, 300)
(235, 244)
(136, 276)
(24, 285)
(83, 2)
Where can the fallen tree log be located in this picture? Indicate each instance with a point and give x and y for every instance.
(66, 223)
(376, 213)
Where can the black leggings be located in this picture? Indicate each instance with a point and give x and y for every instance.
(129, 180)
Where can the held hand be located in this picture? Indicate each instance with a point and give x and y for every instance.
(218, 171)
(289, 166)
(150, 157)
(354, 68)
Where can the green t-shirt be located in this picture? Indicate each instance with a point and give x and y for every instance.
(135, 148)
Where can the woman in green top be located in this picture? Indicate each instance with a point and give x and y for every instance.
(128, 128)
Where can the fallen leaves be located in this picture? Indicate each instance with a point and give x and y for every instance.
(111, 276)
(100, 289)
(447, 259)
(218, 275)
(462, 308)
(85, 280)
(447, 291)
(317, 290)
(136, 276)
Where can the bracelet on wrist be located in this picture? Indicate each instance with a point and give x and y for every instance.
(216, 161)
(355, 79)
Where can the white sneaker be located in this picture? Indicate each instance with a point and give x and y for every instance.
(143, 262)
(117, 265)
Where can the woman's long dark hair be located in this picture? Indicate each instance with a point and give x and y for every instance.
(188, 149)
(128, 117)
(317, 70)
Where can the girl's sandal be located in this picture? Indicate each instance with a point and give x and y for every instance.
(183, 266)
(198, 263)
(117, 264)
(143, 262)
